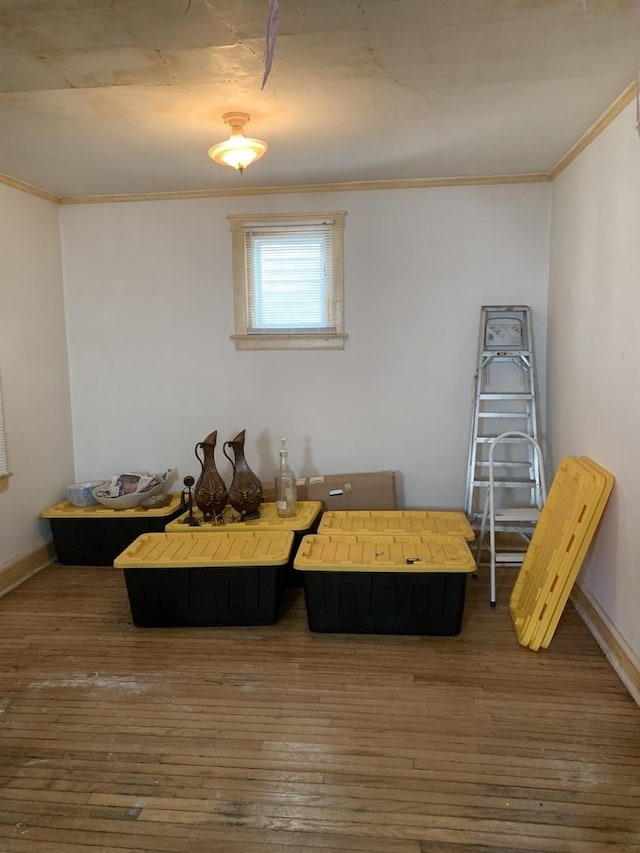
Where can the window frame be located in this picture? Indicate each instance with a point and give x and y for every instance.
(246, 339)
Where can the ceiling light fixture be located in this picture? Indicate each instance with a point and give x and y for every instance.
(239, 151)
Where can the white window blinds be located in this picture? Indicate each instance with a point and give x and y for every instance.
(289, 278)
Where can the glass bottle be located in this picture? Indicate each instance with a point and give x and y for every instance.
(285, 482)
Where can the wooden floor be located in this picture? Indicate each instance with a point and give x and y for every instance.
(261, 740)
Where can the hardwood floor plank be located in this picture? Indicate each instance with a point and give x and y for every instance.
(170, 838)
(273, 739)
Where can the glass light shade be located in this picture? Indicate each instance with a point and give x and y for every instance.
(238, 152)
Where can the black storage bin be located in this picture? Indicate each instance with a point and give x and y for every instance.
(204, 597)
(385, 602)
(205, 579)
(94, 535)
(304, 522)
(377, 583)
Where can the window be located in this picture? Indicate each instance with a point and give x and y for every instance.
(4, 469)
(288, 280)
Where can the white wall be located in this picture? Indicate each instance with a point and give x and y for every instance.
(153, 370)
(34, 370)
(594, 352)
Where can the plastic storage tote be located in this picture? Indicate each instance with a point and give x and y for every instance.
(385, 583)
(397, 521)
(305, 521)
(95, 535)
(563, 534)
(205, 579)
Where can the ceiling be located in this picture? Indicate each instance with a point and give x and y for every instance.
(127, 96)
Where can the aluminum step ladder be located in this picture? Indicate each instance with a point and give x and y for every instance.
(505, 402)
(516, 520)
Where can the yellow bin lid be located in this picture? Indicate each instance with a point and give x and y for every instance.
(396, 521)
(384, 552)
(568, 521)
(179, 550)
(67, 510)
(306, 514)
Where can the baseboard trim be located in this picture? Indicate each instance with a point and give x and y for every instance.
(15, 573)
(607, 638)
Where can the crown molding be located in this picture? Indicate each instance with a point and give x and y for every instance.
(31, 189)
(346, 186)
(620, 103)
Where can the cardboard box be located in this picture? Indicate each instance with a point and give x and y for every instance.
(361, 491)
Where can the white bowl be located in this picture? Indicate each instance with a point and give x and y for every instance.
(81, 494)
(133, 500)
(127, 501)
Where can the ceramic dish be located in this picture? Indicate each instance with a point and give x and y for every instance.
(127, 501)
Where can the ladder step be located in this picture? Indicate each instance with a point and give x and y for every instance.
(523, 529)
(517, 514)
(487, 439)
(505, 353)
(514, 557)
(496, 463)
(521, 359)
(508, 484)
(504, 395)
(504, 415)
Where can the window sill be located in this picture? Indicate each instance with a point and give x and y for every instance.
(4, 482)
(283, 341)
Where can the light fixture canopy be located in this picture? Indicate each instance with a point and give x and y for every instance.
(239, 151)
